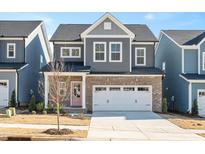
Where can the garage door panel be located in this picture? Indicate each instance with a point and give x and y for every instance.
(4, 93)
(122, 98)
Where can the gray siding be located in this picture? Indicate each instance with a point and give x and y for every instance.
(173, 85)
(107, 66)
(202, 49)
(99, 30)
(57, 50)
(150, 55)
(11, 76)
(19, 51)
(190, 61)
(29, 76)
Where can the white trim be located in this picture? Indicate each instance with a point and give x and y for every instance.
(84, 92)
(23, 67)
(170, 39)
(70, 52)
(16, 87)
(84, 52)
(142, 43)
(203, 61)
(107, 26)
(66, 73)
(100, 20)
(14, 46)
(182, 60)
(46, 90)
(11, 38)
(190, 97)
(144, 50)
(107, 36)
(192, 81)
(71, 92)
(105, 51)
(7, 70)
(68, 42)
(199, 60)
(122, 75)
(202, 41)
(7, 81)
(110, 52)
(130, 55)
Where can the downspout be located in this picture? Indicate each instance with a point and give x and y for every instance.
(24, 50)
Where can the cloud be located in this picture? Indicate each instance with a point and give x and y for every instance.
(149, 16)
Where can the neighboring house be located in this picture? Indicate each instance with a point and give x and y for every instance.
(24, 49)
(110, 66)
(181, 54)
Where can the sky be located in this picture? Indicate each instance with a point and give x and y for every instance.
(155, 21)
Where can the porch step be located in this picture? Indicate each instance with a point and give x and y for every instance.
(74, 110)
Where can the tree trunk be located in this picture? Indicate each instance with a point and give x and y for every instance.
(58, 116)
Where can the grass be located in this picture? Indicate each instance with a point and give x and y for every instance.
(36, 134)
(185, 121)
(44, 119)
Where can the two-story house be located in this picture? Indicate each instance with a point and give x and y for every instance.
(24, 49)
(181, 54)
(110, 66)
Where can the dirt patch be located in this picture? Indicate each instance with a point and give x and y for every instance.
(60, 132)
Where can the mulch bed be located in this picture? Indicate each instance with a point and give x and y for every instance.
(60, 132)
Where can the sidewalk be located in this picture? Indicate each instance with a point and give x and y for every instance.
(39, 126)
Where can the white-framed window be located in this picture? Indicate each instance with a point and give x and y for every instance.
(164, 66)
(115, 52)
(203, 56)
(70, 52)
(107, 26)
(99, 51)
(140, 56)
(62, 88)
(11, 50)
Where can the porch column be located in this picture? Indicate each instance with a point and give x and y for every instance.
(46, 90)
(83, 92)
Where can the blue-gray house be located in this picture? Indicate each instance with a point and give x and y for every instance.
(24, 49)
(181, 54)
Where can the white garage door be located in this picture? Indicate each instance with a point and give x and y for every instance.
(122, 98)
(4, 93)
(201, 102)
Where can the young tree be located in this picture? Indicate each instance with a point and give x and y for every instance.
(13, 99)
(58, 87)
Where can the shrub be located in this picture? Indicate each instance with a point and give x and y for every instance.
(194, 109)
(12, 101)
(53, 107)
(32, 103)
(40, 106)
(44, 112)
(33, 112)
(164, 105)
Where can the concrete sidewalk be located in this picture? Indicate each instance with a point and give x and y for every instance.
(39, 126)
(136, 126)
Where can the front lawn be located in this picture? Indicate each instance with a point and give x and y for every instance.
(186, 122)
(37, 134)
(45, 119)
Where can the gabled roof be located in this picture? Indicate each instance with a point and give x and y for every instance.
(193, 76)
(9, 28)
(71, 32)
(186, 37)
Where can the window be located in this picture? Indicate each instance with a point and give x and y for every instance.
(62, 88)
(11, 50)
(70, 52)
(201, 93)
(100, 89)
(140, 55)
(114, 88)
(107, 26)
(115, 51)
(99, 51)
(203, 61)
(164, 66)
(143, 89)
(128, 89)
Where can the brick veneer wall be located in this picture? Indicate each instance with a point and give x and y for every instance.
(155, 81)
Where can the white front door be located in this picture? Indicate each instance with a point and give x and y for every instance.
(4, 93)
(201, 102)
(122, 98)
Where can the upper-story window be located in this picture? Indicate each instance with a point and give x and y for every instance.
(140, 56)
(70, 52)
(115, 52)
(164, 66)
(99, 51)
(107, 26)
(203, 56)
(11, 50)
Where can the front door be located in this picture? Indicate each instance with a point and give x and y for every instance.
(76, 93)
(4, 93)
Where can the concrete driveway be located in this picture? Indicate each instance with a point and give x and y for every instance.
(135, 126)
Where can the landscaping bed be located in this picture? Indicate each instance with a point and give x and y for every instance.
(37, 134)
(49, 119)
(185, 121)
